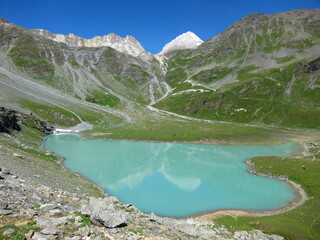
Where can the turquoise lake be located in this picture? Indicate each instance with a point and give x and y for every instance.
(175, 179)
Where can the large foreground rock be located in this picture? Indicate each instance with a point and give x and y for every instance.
(103, 212)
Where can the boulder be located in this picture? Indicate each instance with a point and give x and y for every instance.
(103, 212)
(41, 236)
(51, 231)
(44, 222)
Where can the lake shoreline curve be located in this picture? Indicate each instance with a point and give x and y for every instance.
(300, 198)
(208, 216)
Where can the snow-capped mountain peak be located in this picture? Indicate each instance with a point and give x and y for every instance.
(188, 40)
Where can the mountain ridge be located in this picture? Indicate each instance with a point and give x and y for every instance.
(192, 80)
(127, 44)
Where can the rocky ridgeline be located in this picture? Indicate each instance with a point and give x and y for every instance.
(32, 211)
(11, 120)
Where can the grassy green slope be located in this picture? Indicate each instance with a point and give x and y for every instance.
(300, 223)
(256, 71)
(260, 96)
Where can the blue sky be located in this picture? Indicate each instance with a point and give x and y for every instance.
(152, 22)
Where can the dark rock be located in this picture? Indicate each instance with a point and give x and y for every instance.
(8, 120)
(11, 120)
(311, 66)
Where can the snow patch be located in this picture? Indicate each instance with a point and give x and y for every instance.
(188, 40)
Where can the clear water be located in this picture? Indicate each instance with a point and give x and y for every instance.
(175, 179)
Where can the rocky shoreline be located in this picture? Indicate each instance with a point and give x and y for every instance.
(56, 214)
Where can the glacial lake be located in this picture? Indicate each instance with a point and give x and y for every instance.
(175, 179)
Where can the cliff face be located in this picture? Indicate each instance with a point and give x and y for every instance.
(8, 121)
(128, 45)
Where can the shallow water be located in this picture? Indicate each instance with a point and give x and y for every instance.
(175, 179)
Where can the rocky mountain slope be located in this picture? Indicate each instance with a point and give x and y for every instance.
(110, 71)
(256, 71)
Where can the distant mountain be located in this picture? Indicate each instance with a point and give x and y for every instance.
(188, 40)
(264, 69)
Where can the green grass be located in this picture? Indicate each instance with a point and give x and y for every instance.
(211, 75)
(61, 117)
(51, 113)
(104, 99)
(85, 219)
(285, 59)
(74, 64)
(167, 130)
(26, 55)
(34, 153)
(20, 230)
(261, 94)
(302, 223)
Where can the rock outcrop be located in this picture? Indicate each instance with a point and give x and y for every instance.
(11, 120)
(103, 212)
(128, 44)
(8, 120)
